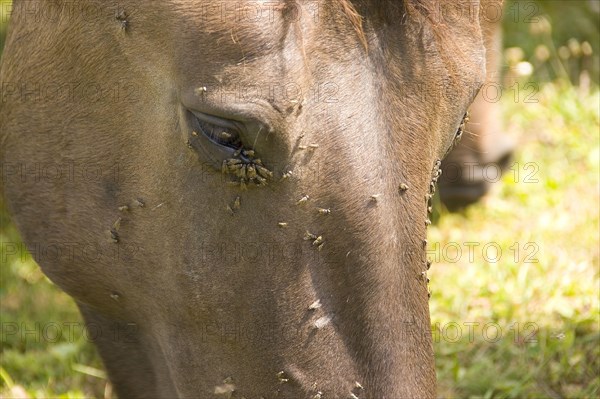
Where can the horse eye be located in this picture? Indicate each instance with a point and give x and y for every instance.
(219, 131)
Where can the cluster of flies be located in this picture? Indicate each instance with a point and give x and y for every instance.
(113, 232)
(228, 388)
(435, 176)
(402, 188)
(352, 395)
(460, 131)
(436, 173)
(283, 378)
(317, 241)
(246, 169)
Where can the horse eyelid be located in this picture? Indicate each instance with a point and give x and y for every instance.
(225, 133)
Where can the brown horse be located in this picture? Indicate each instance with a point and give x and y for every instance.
(236, 193)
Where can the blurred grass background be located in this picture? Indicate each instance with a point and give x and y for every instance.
(541, 295)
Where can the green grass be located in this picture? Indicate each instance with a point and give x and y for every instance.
(547, 311)
(545, 305)
(32, 357)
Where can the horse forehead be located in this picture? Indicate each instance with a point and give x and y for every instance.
(283, 36)
(232, 14)
(258, 19)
